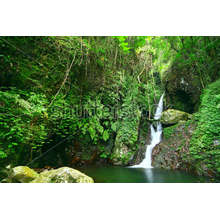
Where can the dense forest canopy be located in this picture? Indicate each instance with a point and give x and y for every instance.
(89, 88)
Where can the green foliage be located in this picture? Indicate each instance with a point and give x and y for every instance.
(169, 131)
(106, 135)
(24, 122)
(122, 43)
(205, 140)
(8, 97)
(90, 88)
(198, 54)
(43, 95)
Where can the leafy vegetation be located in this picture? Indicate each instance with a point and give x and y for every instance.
(89, 89)
(206, 138)
(71, 87)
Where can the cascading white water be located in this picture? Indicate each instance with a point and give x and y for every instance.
(156, 136)
(159, 109)
(155, 139)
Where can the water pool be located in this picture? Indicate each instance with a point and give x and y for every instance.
(117, 174)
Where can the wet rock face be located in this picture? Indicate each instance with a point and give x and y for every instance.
(172, 152)
(183, 86)
(90, 154)
(77, 153)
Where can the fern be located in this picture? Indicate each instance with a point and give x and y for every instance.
(8, 97)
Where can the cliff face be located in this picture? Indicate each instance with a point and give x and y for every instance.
(183, 88)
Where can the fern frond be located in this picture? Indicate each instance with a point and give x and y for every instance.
(24, 104)
(8, 97)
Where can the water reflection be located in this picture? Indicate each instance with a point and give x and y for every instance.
(149, 174)
(113, 174)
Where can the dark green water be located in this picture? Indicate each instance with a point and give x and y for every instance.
(117, 174)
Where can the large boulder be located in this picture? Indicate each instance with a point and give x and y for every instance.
(24, 174)
(171, 117)
(63, 175)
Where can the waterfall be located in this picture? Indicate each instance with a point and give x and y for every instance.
(156, 136)
(159, 109)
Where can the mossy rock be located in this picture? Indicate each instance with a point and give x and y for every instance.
(63, 175)
(171, 117)
(24, 174)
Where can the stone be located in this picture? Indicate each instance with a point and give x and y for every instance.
(91, 153)
(190, 116)
(24, 174)
(63, 175)
(171, 117)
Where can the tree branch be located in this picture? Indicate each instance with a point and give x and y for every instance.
(140, 74)
(174, 48)
(67, 73)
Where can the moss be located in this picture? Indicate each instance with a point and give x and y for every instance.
(169, 131)
(172, 116)
(63, 175)
(24, 174)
